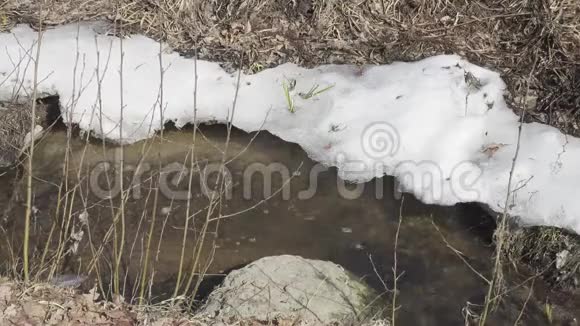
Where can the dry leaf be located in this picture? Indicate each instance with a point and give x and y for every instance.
(491, 149)
(91, 297)
(33, 309)
(11, 311)
(5, 293)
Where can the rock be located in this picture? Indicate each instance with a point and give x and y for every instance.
(291, 288)
(562, 258)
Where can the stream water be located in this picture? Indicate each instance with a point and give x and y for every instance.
(274, 206)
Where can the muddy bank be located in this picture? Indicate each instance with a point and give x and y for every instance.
(274, 207)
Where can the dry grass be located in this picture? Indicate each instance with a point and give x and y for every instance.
(505, 35)
(550, 252)
(14, 126)
(45, 304)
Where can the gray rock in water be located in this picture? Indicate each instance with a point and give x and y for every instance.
(292, 288)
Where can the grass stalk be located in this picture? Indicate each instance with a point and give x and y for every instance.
(502, 228)
(145, 270)
(121, 243)
(395, 265)
(190, 181)
(29, 193)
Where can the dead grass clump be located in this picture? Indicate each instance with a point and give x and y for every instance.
(550, 252)
(44, 304)
(47, 305)
(507, 35)
(14, 128)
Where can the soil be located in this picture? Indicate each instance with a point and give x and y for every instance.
(44, 304)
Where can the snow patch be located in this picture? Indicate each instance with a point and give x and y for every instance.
(440, 125)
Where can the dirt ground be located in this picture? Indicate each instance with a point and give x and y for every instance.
(43, 304)
(535, 44)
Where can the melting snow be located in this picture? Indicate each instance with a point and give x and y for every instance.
(439, 125)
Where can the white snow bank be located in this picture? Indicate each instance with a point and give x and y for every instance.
(440, 118)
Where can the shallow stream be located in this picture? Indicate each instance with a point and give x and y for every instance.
(278, 202)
